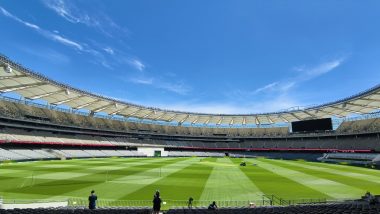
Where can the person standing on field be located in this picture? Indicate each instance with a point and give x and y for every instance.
(92, 200)
(156, 203)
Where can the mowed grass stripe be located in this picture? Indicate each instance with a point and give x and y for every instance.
(117, 186)
(355, 169)
(180, 185)
(58, 188)
(227, 182)
(37, 171)
(23, 181)
(346, 172)
(271, 183)
(331, 188)
(360, 185)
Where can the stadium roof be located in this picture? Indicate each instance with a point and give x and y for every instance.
(32, 85)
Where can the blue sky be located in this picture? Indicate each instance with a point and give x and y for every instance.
(210, 56)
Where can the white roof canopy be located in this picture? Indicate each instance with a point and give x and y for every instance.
(31, 85)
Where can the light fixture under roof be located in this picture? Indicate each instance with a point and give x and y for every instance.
(8, 68)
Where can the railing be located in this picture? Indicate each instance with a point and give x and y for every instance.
(81, 202)
(286, 202)
(266, 200)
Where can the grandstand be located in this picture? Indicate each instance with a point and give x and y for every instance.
(100, 127)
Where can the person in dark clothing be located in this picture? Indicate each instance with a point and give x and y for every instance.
(190, 203)
(157, 203)
(212, 206)
(92, 200)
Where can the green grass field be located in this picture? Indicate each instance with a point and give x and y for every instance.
(207, 179)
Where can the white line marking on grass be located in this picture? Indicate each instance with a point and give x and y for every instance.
(333, 189)
(227, 183)
(365, 177)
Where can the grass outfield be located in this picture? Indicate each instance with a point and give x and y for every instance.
(208, 179)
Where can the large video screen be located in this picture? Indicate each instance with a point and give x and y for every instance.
(312, 125)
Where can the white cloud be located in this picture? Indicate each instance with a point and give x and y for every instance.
(272, 105)
(46, 33)
(175, 87)
(323, 68)
(136, 64)
(65, 41)
(55, 36)
(46, 53)
(109, 50)
(270, 86)
(304, 74)
(59, 7)
(142, 81)
(178, 88)
(70, 11)
(8, 14)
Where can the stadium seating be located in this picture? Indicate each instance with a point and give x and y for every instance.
(38, 154)
(28, 123)
(123, 210)
(301, 209)
(41, 113)
(352, 158)
(349, 208)
(357, 126)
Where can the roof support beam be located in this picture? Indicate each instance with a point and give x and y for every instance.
(118, 111)
(160, 116)
(133, 113)
(257, 121)
(311, 115)
(295, 116)
(270, 120)
(283, 118)
(67, 100)
(21, 86)
(349, 110)
(364, 106)
(45, 95)
(13, 77)
(87, 104)
(147, 115)
(219, 121)
(102, 108)
(184, 119)
(369, 99)
(324, 111)
(231, 122)
(207, 121)
(172, 118)
(194, 121)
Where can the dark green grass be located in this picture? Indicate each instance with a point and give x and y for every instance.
(176, 178)
(273, 184)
